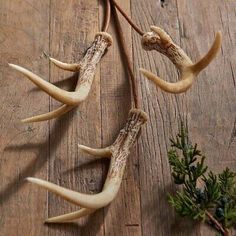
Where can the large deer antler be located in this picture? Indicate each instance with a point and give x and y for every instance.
(86, 67)
(159, 40)
(118, 153)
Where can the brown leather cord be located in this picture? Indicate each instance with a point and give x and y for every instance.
(134, 26)
(107, 16)
(126, 56)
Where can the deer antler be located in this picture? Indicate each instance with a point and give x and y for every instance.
(118, 153)
(86, 66)
(159, 40)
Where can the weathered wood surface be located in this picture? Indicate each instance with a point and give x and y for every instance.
(49, 150)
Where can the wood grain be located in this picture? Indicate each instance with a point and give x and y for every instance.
(205, 108)
(24, 148)
(115, 105)
(65, 29)
(68, 167)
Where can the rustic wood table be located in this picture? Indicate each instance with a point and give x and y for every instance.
(64, 29)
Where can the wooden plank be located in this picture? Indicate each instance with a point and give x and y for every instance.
(211, 104)
(24, 147)
(72, 29)
(194, 23)
(65, 29)
(163, 109)
(122, 217)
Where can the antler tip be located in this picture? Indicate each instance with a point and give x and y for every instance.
(142, 70)
(29, 179)
(145, 72)
(211, 54)
(20, 69)
(25, 120)
(219, 35)
(12, 65)
(49, 221)
(148, 74)
(53, 59)
(34, 180)
(80, 146)
(74, 67)
(100, 152)
(157, 30)
(153, 27)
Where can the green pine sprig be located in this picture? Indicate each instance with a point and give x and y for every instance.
(204, 195)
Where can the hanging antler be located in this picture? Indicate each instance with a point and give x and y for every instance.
(159, 40)
(118, 153)
(86, 67)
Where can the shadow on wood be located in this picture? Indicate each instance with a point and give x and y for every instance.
(34, 165)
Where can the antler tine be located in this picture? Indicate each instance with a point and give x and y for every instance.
(159, 40)
(99, 152)
(87, 68)
(119, 153)
(211, 54)
(103, 152)
(70, 216)
(179, 87)
(74, 67)
(70, 98)
(50, 115)
(84, 200)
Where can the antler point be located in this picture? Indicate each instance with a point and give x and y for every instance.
(12, 65)
(24, 120)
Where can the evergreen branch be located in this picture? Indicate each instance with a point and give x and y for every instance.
(214, 199)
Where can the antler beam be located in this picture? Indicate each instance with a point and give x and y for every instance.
(86, 67)
(160, 41)
(118, 153)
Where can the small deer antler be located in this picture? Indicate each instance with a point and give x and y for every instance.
(87, 67)
(159, 40)
(118, 153)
